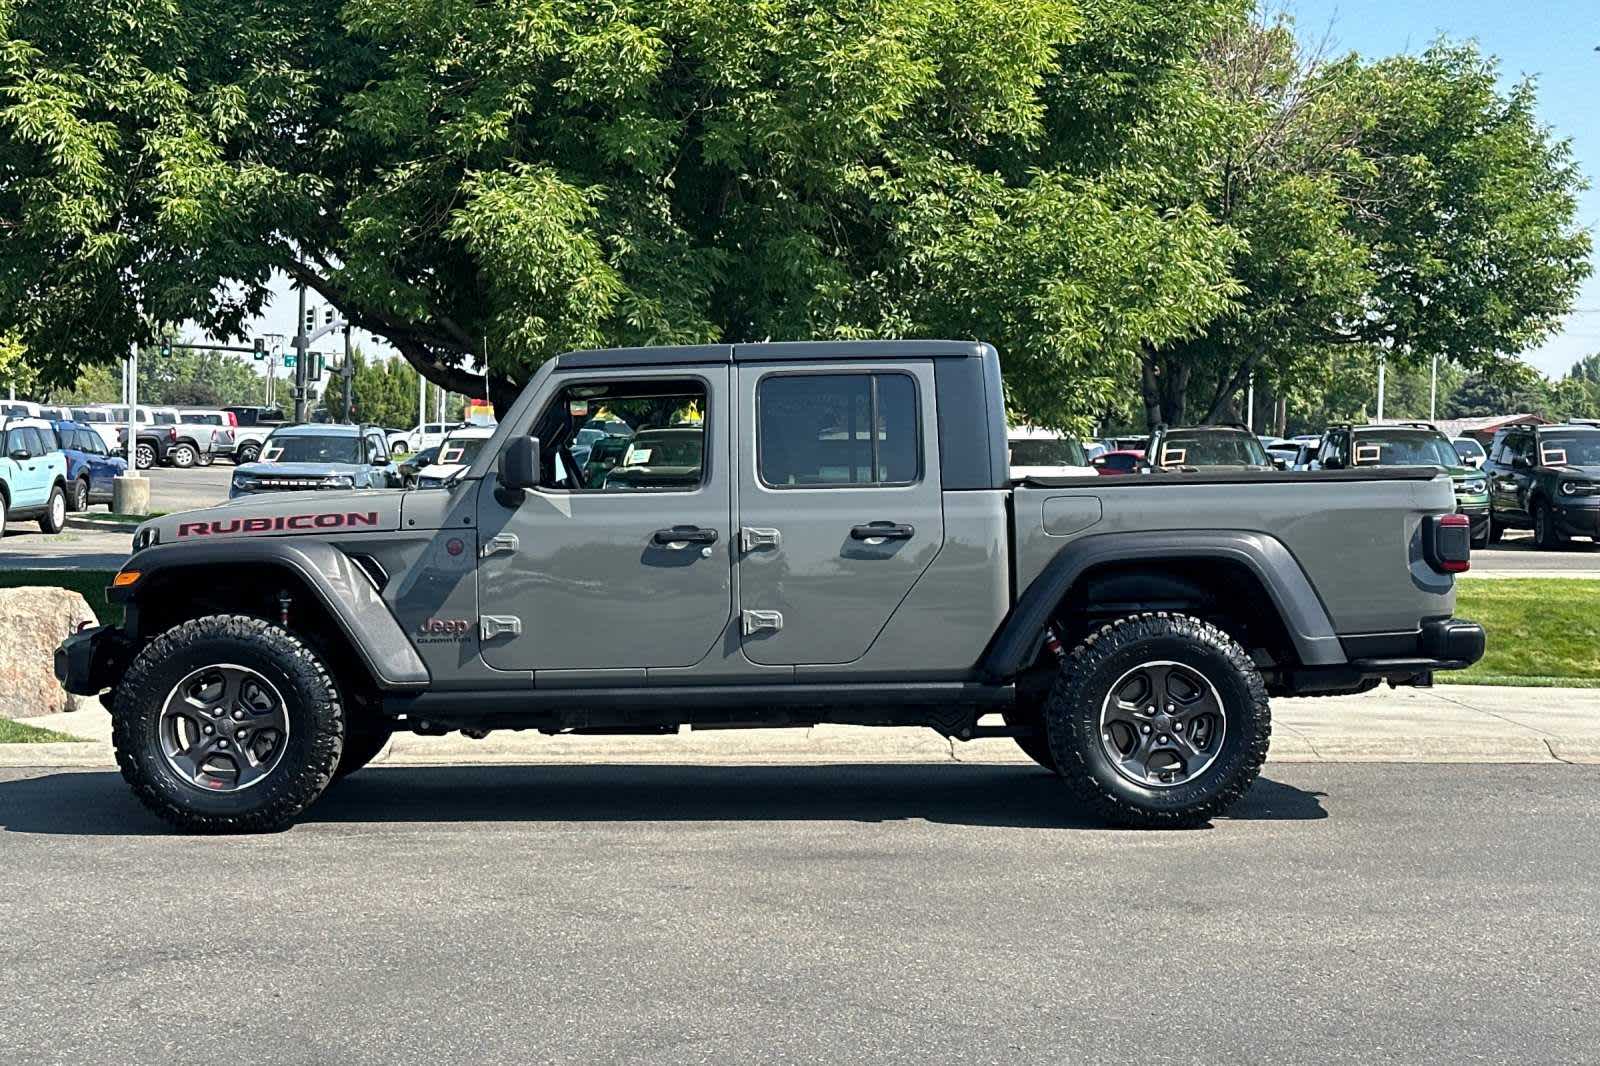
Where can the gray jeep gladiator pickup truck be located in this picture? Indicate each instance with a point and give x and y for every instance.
(797, 533)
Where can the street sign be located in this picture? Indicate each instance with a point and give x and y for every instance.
(288, 360)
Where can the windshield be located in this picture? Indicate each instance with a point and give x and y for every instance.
(1212, 449)
(309, 448)
(1062, 452)
(1583, 449)
(663, 451)
(1469, 449)
(80, 414)
(460, 451)
(1404, 449)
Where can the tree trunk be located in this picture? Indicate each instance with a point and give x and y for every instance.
(1163, 385)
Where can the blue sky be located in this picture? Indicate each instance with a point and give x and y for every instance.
(1551, 40)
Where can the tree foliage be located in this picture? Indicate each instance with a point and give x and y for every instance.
(1108, 190)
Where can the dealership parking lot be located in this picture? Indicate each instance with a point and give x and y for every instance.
(912, 913)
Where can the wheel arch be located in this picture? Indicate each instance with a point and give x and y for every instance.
(1247, 576)
(332, 599)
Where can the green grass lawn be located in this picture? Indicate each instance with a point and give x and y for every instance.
(90, 583)
(1541, 631)
(21, 733)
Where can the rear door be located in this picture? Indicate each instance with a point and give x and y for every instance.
(839, 504)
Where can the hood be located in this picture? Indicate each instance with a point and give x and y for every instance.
(297, 469)
(1590, 473)
(284, 514)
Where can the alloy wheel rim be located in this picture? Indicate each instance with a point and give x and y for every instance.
(223, 728)
(145, 456)
(58, 510)
(1162, 724)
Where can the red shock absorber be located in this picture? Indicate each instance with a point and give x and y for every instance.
(1052, 643)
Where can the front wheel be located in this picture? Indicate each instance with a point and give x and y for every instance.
(228, 724)
(1546, 534)
(1159, 720)
(204, 459)
(54, 519)
(247, 453)
(1496, 530)
(181, 456)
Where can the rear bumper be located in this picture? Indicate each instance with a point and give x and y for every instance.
(1400, 659)
(90, 662)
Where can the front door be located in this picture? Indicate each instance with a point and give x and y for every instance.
(618, 565)
(30, 485)
(839, 505)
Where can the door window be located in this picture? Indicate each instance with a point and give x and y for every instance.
(837, 430)
(17, 441)
(653, 437)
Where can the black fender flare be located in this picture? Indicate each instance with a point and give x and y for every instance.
(1280, 573)
(338, 583)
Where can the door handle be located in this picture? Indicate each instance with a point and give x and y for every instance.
(878, 532)
(685, 535)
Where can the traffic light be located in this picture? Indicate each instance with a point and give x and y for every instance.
(327, 315)
(166, 347)
(314, 367)
(311, 319)
(261, 349)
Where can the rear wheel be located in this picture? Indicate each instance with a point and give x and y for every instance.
(5, 506)
(228, 724)
(1496, 530)
(204, 459)
(247, 453)
(1159, 720)
(80, 495)
(1481, 540)
(1546, 534)
(54, 519)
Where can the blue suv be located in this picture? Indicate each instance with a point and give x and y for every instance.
(33, 474)
(90, 467)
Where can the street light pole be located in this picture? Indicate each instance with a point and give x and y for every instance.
(1433, 390)
(349, 373)
(301, 343)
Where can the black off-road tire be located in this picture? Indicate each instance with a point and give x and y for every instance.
(361, 745)
(1029, 714)
(1072, 717)
(1496, 530)
(1547, 535)
(247, 453)
(315, 737)
(54, 518)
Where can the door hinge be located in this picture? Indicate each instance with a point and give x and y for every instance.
(500, 542)
(754, 538)
(756, 621)
(499, 625)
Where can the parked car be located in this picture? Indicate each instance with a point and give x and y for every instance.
(300, 458)
(91, 468)
(165, 437)
(423, 436)
(224, 440)
(1409, 444)
(412, 465)
(1292, 454)
(29, 409)
(102, 420)
(1122, 461)
(452, 455)
(1470, 452)
(816, 570)
(1213, 447)
(1038, 452)
(33, 474)
(1547, 479)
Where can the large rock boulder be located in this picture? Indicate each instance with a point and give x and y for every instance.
(33, 621)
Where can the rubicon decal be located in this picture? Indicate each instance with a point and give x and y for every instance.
(333, 520)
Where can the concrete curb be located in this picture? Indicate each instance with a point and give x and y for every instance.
(78, 521)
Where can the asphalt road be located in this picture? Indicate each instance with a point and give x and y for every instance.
(917, 914)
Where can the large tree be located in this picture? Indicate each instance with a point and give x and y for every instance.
(1094, 186)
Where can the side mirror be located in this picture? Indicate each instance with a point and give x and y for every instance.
(1280, 462)
(21, 455)
(519, 464)
(380, 460)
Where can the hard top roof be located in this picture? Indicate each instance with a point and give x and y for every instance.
(772, 352)
(319, 429)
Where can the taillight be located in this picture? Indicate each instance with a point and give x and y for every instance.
(233, 419)
(1447, 542)
(172, 432)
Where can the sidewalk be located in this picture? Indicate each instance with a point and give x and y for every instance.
(1450, 723)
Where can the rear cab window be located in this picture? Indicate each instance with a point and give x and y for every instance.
(838, 430)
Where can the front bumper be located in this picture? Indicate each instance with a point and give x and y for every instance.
(1578, 516)
(1400, 659)
(90, 661)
